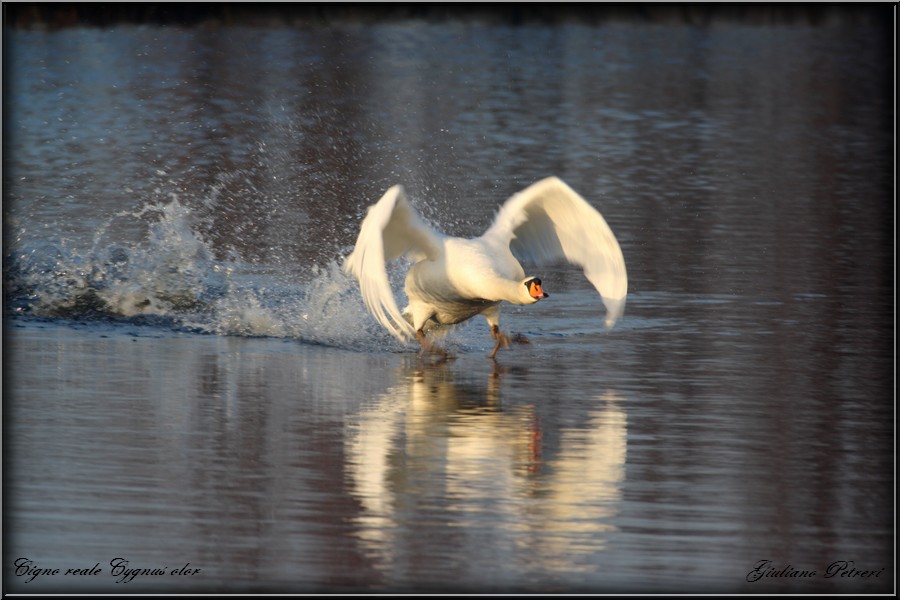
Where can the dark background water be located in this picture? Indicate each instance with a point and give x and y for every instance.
(188, 377)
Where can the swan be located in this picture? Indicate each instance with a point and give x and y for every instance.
(453, 279)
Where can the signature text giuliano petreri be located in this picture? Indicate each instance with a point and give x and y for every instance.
(840, 568)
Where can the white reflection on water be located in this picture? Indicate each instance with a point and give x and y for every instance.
(585, 491)
(486, 462)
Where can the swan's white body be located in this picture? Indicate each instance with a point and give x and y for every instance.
(454, 279)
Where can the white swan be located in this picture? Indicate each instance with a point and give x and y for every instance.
(453, 279)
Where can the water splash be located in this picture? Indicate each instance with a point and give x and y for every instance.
(172, 277)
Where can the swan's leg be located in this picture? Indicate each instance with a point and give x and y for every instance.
(420, 315)
(492, 315)
(429, 347)
(502, 340)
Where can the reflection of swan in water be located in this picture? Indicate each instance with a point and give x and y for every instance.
(430, 433)
(410, 420)
(454, 279)
(584, 492)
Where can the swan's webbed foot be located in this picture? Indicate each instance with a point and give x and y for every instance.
(520, 339)
(429, 347)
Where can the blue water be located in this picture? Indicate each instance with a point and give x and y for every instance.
(191, 378)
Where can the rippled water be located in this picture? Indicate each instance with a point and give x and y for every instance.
(190, 378)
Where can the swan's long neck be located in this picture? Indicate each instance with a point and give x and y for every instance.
(481, 270)
(512, 291)
(521, 294)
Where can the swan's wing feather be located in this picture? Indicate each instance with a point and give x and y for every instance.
(391, 229)
(548, 222)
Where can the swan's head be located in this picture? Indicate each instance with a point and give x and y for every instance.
(534, 290)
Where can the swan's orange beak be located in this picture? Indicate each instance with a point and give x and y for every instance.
(534, 288)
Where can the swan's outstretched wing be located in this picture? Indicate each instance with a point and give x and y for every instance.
(391, 229)
(548, 221)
